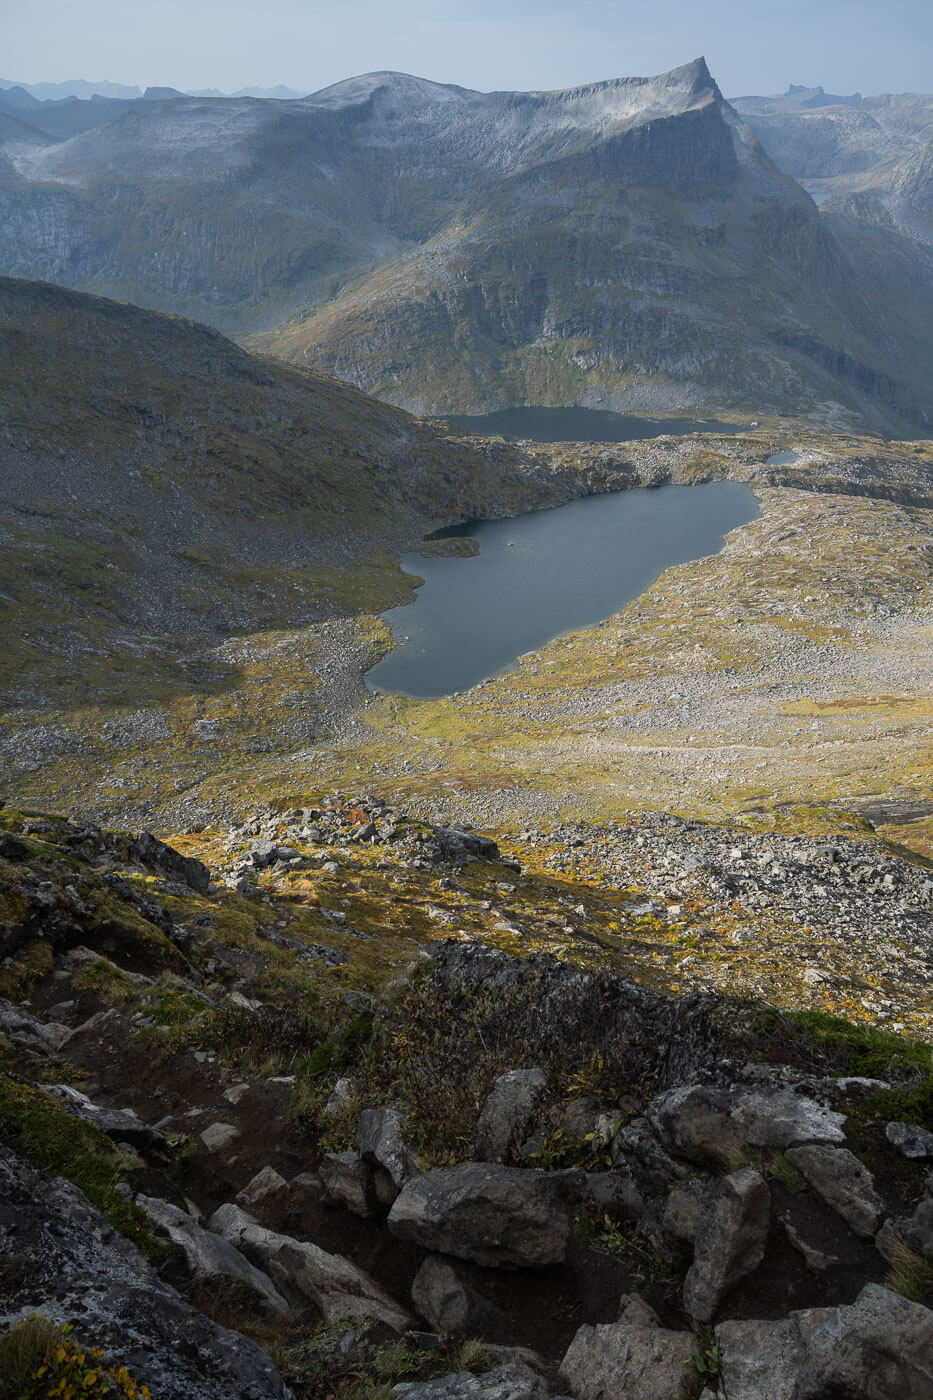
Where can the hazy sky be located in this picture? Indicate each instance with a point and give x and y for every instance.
(752, 46)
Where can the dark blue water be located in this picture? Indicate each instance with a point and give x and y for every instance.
(539, 575)
(581, 425)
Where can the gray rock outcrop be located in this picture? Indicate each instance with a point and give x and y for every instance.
(507, 1114)
(206, 1252)
(710, 1125)
(636, 1359)
(843, 1182)
(73, 1267)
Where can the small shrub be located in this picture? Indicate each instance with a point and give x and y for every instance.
(39, 1361)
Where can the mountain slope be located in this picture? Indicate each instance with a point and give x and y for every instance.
(623, 244)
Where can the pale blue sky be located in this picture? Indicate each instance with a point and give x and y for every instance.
(752, 46)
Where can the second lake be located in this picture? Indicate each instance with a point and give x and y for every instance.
(539, 575)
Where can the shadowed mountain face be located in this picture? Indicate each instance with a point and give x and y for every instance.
(622, 245)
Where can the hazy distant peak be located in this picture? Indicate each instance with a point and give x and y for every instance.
(351, 91)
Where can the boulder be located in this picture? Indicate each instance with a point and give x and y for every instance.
(448, 1304)
(23, 1028)
(917, 1229)
(380, 1141)
(730, 1241)
(348, 1181)
(843, 1182)
(506, 1117)
(494, 1215)
(634, 1360)
(331, 1282)
(710, 1126)
(206, 1252)
(71, 1266)
(878, 1348)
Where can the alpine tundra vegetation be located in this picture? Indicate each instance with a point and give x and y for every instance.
(567, 1036)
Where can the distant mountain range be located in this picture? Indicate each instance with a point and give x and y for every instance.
(629, 244)
(81, 88)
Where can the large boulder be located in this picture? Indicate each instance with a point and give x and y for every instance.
(507, 1114)
(380, 1141)
(711, 1126)
(207, 1253)
(843, 1182)
(493, 1215)
(878, 1348)
(337, 1287)
(348, 1182)
(730, 1241)
(65, 1262)
(760, 1360)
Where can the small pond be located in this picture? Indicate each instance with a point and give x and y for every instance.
(542, 574)
(580, 425)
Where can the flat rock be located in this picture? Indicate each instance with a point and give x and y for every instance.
(709, 1126)
(332, 1283)
(219, 1136)
(843, 1182)
(730, 1241)
(617, 1359)
(206, 1252)
(116, 1123)
(493, 1215)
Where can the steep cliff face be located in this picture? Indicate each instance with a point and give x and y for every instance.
(622, 244)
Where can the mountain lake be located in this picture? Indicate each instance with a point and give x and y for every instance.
(539, 575)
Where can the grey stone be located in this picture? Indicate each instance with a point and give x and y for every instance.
(878, 1348)
(710, 1126)
(760, 1360)
(448, 1304)
(502, 1383)
(261, 1187)
(491, 1214)
(730, 1241)
(638, 1362)
(219, 1136)
(910, 1140)
(843, 1182)
(348, 1181)
(614, 1194)
(685, 1208)
(332, 1283)
(380, 1140)
(75, 1267)
(507, 1114)
(206, 1252)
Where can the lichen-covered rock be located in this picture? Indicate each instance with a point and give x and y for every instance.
(760, 1360)
(911, 1140)
(730, 1241)
(878, 1348)
(493, 1215)
(710, 1125)
(73, 1267)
